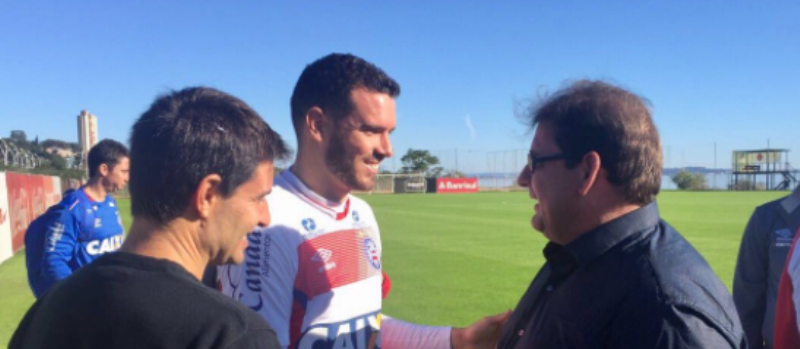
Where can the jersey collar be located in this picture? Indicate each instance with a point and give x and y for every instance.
(337, 210)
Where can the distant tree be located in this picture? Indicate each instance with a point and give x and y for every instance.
(56, 161)
(34, 146)
(686, 180)
(453, 174)
(19, 136)
(436, 172)
(421, 161)
(47, 143)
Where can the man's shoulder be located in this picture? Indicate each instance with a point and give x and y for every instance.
(160, 297)
(283, 200)
(70, 206)
(74, 203)
(287, 210)
(225, 317)
(359, 202)
(685, 280)
(674, 261)
(770, 208)
(172, 290)
(227, 309)
(361, 206)
(74, 196)
(111, 202)
(248, 328)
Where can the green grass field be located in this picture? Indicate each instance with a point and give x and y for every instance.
(455, 258)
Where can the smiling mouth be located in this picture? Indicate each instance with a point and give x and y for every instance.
(372, 166)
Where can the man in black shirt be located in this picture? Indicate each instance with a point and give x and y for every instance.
(616, 275)
(201, 166)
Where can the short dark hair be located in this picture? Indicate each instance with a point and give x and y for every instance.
(327, 84)
(187, 135)
(107, 151)
(597, 116)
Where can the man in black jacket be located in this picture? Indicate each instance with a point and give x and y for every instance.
(616, 276)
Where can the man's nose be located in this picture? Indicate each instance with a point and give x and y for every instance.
(524, 178)
(385, 148)
(263, 215)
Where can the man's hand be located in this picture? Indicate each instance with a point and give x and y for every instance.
(483, 334)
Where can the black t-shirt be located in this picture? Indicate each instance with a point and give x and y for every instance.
(124, 300)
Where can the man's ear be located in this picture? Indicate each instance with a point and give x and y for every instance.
(315, 123)
(207, 194)
(590, 165)
(103, 170)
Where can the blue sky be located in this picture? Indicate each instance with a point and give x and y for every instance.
(721, 72)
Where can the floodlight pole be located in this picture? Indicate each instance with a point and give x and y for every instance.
(456, 151)
(669, 152)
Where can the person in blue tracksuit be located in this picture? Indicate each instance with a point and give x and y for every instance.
(762, 255)
(83, 226)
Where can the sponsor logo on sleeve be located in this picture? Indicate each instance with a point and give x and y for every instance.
(56, 232)
(783, 237)
(356, 217)
(372, 253)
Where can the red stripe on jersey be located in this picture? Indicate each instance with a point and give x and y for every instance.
(343, 214)
(333, 260)
(786, 332)
(304, 193)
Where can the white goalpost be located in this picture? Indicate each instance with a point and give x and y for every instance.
(392, 183)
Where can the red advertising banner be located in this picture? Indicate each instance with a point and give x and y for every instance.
(456, 185)
(28, 197)
(6, 251)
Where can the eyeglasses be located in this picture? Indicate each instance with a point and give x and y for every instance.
(534, 159)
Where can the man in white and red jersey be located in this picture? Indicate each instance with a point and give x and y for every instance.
(787, 331)
(315, 272)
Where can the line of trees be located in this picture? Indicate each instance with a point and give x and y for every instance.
(422, 161)
(49, 163)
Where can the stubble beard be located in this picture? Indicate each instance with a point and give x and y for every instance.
(342, 165)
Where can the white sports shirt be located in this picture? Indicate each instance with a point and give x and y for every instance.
(315, 275)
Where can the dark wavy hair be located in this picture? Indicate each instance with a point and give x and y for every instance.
(107, 151)
(327, 83)
(187, 135)
(597, 116)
